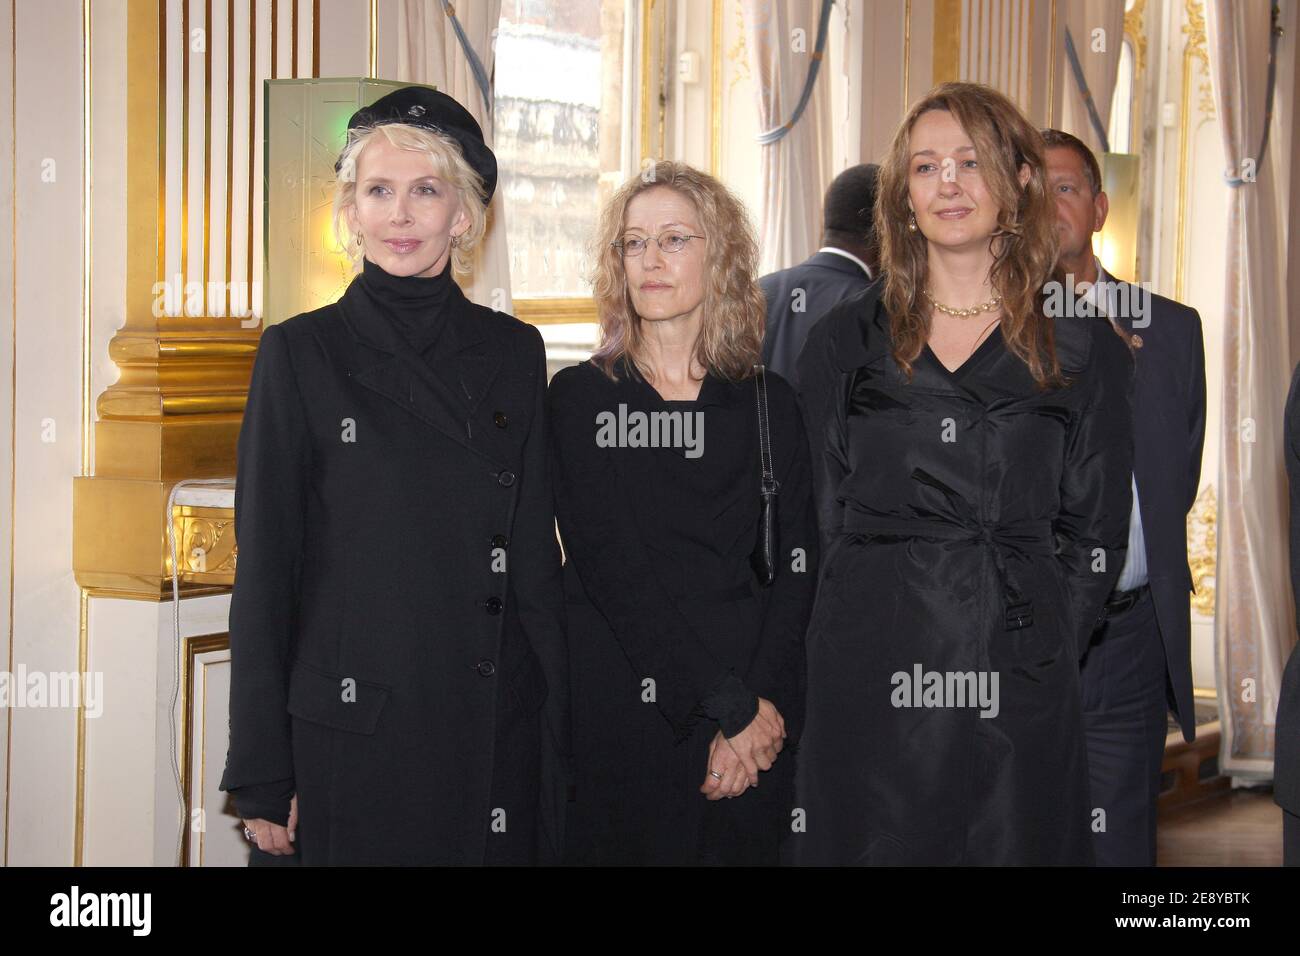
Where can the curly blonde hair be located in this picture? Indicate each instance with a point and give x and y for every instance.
(733, 314)
(1024, 247)
(449, 165)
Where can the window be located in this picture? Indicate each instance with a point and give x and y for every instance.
(1121, 105)
(560, 133)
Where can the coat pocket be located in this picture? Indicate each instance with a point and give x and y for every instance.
(334, 700)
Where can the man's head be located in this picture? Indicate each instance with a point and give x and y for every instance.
(850, 204)
(1074, 179)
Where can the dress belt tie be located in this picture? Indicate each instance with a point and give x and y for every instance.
(1027, 537)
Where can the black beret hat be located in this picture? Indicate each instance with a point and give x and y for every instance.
(426, 107)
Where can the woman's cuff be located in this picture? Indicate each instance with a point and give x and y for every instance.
(732, 705)
(265, 801)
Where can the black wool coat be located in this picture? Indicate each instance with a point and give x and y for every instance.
(397, 624)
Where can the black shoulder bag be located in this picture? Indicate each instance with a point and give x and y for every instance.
(763, 560)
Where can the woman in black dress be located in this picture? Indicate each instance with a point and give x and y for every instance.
(396, 630)
(971, 447)
(686, 674)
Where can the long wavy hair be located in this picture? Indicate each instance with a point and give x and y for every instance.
(733, 316)
(1024, 245)
(449, 165)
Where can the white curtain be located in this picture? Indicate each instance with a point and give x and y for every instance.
(1253, 622)
(796, 169)
(428, 52)
(1097, 27)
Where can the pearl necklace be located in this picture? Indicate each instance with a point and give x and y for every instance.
(988, 306)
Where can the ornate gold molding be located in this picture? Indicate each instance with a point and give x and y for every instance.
(647, 14)
(205, 544)
(738, 55)
(1135, 27)
(1202, 549)
(1194, 30)
(555, 311)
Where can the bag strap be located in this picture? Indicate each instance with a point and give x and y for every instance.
(770, 484)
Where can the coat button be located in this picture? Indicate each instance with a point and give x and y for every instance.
(500, 419)
(499, 541)
(506, 478)
(493, 605)
(486, 668)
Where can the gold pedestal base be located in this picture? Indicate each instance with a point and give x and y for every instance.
(120, 548)
(119, 545)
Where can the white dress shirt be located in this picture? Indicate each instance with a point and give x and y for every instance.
(850, 256)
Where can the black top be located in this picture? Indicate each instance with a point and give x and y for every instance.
(671, 638)
(685, 522)
(731, 703)
(413, 304)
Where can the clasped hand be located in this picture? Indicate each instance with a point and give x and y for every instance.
(739, 759)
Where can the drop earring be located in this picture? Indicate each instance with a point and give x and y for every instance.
(911, 223)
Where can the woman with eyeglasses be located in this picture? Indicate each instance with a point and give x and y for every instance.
(685, 671)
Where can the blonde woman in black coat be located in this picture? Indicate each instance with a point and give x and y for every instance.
(397, 636)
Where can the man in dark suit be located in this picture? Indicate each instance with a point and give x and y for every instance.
(1286, 736)
(1138, 665)
(846, 264)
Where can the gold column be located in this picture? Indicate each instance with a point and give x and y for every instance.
(947, 40)
(175, 411)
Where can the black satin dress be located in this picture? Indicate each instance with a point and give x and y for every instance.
(972, 526)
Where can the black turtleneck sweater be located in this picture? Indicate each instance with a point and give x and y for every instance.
(414, 305)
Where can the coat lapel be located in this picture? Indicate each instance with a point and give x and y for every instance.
(445, 396)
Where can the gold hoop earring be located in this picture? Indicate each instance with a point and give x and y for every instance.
(358, 238)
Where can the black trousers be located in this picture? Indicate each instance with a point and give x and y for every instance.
(1125, 717)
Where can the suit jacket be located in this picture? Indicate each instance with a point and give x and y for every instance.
(1286, 748)
(796, 298)
(398, 599)
(1169, 434)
